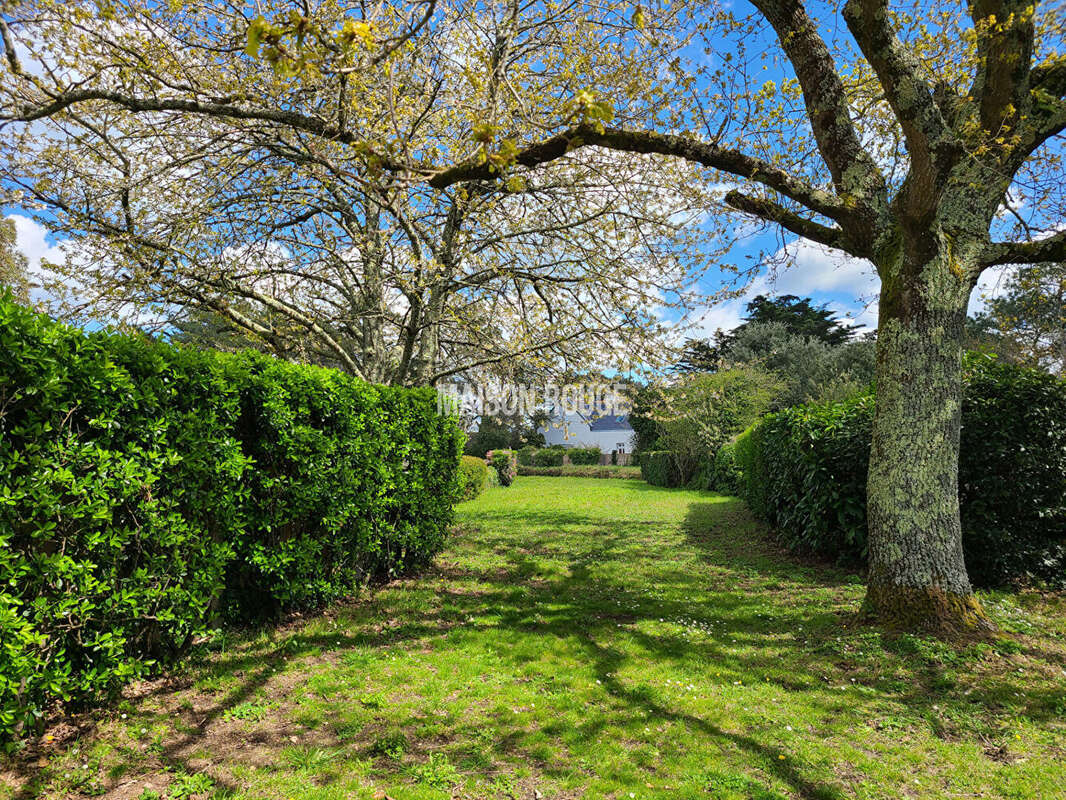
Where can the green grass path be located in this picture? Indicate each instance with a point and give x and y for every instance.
(597, 639)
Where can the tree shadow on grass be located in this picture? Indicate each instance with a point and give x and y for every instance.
(570, 579)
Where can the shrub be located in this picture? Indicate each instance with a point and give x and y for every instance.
(582, 472)
(658, 468)
(704, 411)
(719, 472)
(549, 457)
(473, 477)
(525, 455)
(505, 464)
(804, 471)
(584, 456)
(147, 490)
(1012, 477)
(726, 472)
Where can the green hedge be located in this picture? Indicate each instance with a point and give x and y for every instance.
(473, 477)
(525, 455)
(804, 471)
(720, 473)
(584, 456)
(148, 491)
(505, 464)
(1012, 478)
(548, 457)
(582, 472)
(658, 468)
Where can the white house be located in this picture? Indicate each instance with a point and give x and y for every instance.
(609, 433)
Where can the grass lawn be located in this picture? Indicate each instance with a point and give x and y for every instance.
(588, 638)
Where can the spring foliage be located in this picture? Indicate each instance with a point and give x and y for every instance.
(505, 463)
(148, 491)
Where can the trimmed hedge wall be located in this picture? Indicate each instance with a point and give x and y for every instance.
(525, 455)
(584, 456)
(548, 457)
(582, 472)
(804, 471)
(658, 468)
(148, 491)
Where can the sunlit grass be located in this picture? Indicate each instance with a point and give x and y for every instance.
(592, 638)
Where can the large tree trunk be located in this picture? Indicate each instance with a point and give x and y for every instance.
(917, 577)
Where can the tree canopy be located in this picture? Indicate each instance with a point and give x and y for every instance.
(14, 269)
(260, 167)
(1029, 314)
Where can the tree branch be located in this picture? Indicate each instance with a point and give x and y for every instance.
(708, 154)
(1005, 32)
(1050, 77)
(898, 71)
(142, 105)
(853, 169)
(1051, 248)
(772, 212)
(504, 356)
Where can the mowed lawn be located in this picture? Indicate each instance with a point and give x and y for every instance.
(588, 638)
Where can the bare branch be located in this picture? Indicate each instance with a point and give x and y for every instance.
(1051, 248)
(772, 212)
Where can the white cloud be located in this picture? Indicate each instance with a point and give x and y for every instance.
(725, 316)
(812, 268)
(31, 239)
(806, 269)
(989, 285)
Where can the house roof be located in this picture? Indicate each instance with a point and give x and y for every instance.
(613, 423)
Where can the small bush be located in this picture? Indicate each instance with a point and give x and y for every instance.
(584, 456)
(473, 478)
(658, 468)
(149, 490)
(548, 457)
(525, 455)
(505, 464)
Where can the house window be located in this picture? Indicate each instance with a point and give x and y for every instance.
(621, 447)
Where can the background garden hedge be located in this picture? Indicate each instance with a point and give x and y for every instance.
(473, 477)
(149, 491)
(549, 457)
(804, 471)
(658, 468)
(606, 471)
(584, 456)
